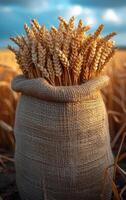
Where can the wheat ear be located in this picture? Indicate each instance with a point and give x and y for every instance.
(108, 58)
(65, 63)
(98, 31)
(77, 69)
(29, 32)
(50, 70)
(57, 68)
(41, 57)
(68, 37)
(49, 42)
(36, 24)
(63, 22)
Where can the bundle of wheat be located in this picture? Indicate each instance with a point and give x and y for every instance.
(63, 56)
(7, 107)
(51, 128)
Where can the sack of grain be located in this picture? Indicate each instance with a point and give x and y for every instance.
(62, 140)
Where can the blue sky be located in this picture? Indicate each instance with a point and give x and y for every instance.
(14, 13)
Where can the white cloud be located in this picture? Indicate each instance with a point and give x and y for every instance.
(110, 15)
(75, 10)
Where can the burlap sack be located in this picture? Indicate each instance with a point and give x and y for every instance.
(62, 140)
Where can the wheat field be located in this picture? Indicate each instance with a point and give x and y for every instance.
(8, 99)
(7, 58)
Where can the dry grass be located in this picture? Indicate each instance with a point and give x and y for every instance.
(75, 56)
(8, 103)
(115, 99)
(118, 192)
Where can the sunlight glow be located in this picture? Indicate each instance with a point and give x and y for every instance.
(90, 20)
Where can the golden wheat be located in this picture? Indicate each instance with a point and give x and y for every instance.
(57, 67)
(63, 21)
(41, 57)
(35, 30)
(29, 32)
(36, 24)
(50, 70)
(77, 69)
(8, 104)
(98, 31)
(62, 58)
(65, 55)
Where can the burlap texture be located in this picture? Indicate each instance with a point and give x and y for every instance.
(62, 140)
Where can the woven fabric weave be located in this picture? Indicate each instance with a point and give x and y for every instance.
(62, 140)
